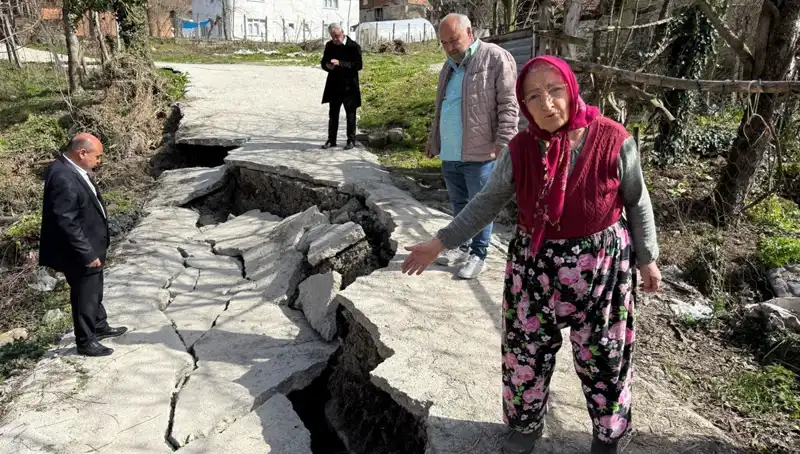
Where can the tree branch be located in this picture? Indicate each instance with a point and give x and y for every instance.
(654, 101)
(717, 86)
(736, 44)
(612, 28)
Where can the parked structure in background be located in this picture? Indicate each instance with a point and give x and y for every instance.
(274, 20)
(383, 10)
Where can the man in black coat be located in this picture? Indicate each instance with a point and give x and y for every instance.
(74, 239)
(342, 61)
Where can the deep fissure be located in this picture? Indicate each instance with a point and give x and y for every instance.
(342, 409)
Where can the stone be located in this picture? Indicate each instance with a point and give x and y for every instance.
(776, 314)
(343, 214)
(53, 316)
(181, 186)
(779, 286)
(273, 427)
(697, 309)
(44, 282)
(272, 282)
(256, 350)
(13, 335)
(378, 139)
(395, 135)
(336, 239)
(316, 299)
(241, 233)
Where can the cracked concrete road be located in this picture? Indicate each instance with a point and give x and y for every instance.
(441, 346)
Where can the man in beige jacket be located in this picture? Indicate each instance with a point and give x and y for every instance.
(476, 116)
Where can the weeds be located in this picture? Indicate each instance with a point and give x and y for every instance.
(773, 389)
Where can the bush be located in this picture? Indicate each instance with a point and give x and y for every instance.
(776, 252)
(778, 213)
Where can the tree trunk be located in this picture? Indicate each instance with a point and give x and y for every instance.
(510, 13)
(132, 17)
(543, 24)
(73, 46)
(11, 43)
(98, 35)
(747, 151)
(225, 24)
(572, 16)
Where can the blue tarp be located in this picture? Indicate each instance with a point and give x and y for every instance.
(191, 25)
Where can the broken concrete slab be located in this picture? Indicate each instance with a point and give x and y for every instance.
(217, 264)
(334, 240)
(184, 282)
(311, 235)
(180, 186)
(252, 353)
(194, 314)
(335, 168)
(75, 404)
(211, 282)
(240, 233)
(344, 213)
(316, 299)
(274, 427)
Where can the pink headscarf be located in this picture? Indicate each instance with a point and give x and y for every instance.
(556, 159)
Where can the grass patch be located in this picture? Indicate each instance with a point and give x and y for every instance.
(218, 51)
(773, 389)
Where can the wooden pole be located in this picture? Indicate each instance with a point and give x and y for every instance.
(717, 86)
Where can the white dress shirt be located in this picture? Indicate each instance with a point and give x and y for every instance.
(85, 176)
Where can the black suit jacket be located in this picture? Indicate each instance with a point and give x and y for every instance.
(74, 231)
(342, 80)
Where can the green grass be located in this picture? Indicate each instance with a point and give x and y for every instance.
(772, 389)
(400, 91)
(204, 51)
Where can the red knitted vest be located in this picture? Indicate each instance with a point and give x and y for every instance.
(592, 201)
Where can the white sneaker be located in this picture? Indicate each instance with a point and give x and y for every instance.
(452, 257)
(472, 269)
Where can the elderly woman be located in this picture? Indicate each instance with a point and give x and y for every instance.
(570, 262)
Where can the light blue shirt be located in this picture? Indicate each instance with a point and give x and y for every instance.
(451, 125)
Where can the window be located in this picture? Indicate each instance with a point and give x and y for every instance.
(378, 13)
(256, 27)
(331, 3)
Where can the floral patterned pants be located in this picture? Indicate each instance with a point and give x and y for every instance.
(586, 284)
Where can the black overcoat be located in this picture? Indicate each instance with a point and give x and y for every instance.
(342, 80)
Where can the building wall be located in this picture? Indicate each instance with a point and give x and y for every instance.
(278, 20)
(393, 9)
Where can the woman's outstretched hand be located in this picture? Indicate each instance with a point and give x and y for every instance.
(421, 255)
(651, 277)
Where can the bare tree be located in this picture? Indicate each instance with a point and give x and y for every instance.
(776, 36)
(70, 19)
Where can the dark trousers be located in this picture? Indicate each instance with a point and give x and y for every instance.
(86, 298)
(333, 118)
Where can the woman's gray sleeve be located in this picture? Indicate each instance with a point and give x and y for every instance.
(484, 207)
(638, 208)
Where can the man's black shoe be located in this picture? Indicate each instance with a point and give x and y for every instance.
(349, 145)
(328, 144)
(112, 332)
(94, 349)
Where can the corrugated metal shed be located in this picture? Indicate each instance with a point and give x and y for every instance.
(519, 43)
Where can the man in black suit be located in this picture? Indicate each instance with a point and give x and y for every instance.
(342, 61)
(74, 239)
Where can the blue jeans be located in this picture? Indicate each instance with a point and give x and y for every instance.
(464, 180)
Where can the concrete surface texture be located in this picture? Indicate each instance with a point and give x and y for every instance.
(213, 379)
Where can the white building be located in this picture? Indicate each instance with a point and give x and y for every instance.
(289, 21)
